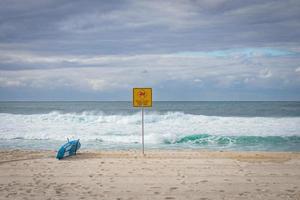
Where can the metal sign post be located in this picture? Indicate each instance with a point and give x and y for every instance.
(143, 130)
(142, 97)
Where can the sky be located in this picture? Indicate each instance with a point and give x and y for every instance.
(189, 50)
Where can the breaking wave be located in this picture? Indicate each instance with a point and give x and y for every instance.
(172, 128)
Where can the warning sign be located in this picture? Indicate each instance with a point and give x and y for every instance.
(142, 97)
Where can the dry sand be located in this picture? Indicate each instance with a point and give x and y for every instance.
(159, 175)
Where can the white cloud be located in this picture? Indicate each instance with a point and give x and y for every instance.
(197, 80)
(7, 82)
(97, 84)
(265, 73)
(107, 72)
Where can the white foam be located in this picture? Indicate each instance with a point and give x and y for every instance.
(127, 128)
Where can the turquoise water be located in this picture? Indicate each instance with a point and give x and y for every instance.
(247, 126)
(258, 143)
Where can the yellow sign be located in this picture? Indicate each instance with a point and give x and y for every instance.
(142, 97)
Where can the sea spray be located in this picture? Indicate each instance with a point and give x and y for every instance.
(56, 125)
(173, 125)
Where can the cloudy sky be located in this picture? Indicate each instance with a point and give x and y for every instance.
(184, 50)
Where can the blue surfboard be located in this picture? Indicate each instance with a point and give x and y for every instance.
(68, 149)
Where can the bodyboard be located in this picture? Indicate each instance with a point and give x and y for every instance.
(68, 149)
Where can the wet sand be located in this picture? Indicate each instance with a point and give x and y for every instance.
(166, 175)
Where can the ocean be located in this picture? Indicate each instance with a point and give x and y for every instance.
(233, 126)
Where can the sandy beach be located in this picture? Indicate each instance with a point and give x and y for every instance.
(124, 175)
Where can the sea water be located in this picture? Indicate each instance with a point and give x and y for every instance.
(246, 126)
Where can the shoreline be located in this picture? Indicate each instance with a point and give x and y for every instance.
(195, 152)
(15, 155)
(160, 174)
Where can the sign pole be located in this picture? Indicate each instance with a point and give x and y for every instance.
(142, 97)
(143, 131)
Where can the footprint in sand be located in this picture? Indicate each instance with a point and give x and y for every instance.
(170, 198)
(243, 193)
(58, 191)
(89, 192)
(78, 186)
(291, 191)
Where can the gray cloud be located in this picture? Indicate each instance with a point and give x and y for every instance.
(115, 45)
(148, 26)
